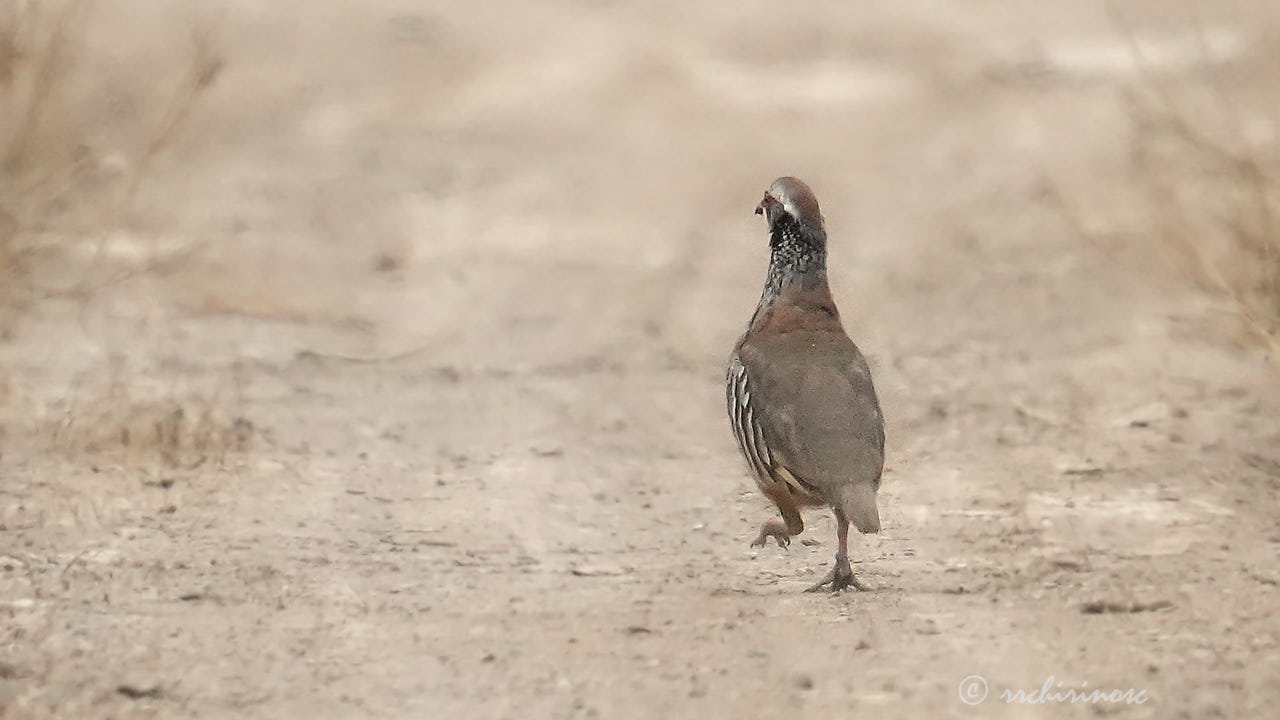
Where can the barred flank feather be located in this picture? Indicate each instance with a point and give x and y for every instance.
(768, 471)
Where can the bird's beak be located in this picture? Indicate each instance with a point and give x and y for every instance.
(765, 203)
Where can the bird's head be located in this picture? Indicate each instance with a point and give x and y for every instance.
(790, 207)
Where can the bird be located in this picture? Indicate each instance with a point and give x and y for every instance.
(799, 392)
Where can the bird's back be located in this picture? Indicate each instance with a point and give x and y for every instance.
(823, 419)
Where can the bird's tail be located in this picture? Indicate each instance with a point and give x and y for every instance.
(858, 502)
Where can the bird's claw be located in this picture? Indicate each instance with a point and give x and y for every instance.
(775, 529)
(784, 541)
(840, 578)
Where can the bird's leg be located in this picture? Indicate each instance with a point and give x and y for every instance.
(841, 575)
(780, 529)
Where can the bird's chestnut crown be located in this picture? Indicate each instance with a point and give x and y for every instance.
(789, 202)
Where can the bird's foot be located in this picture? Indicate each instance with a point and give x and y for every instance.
(840, 577)
(773, 528)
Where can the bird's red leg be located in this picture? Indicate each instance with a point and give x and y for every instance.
(841, 575)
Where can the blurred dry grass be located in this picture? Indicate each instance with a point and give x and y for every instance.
(1206, 158)
(1214, 200)
(57, 185)
(63, 189)
(1199, 192)
(36, 52)
(184, 430)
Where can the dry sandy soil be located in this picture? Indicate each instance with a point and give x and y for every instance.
(447, 336)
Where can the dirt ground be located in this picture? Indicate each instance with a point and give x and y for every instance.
(448, 334)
